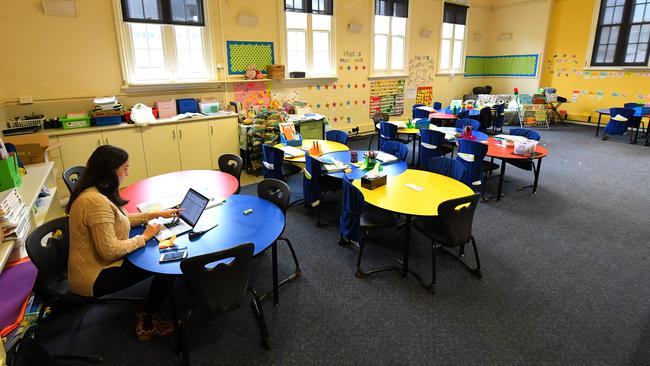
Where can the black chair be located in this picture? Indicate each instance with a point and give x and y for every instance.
(451, 228)
(376, 118)
(232, 164)
(28, 352)
(219, 289)
(47, 247)
(278, 193)
(72, 175)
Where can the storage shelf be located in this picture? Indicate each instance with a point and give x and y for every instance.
(40, 216)
(33, 181)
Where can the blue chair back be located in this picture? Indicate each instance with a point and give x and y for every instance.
(430, 145)
(272, 159)
(500, 116)
(446, 166)
(437, 106)
(462, 122)
(529, 134)
(618, 127)
(464, 113)
(485, 118)
(471, 155)
(338, 136)
(631, 105)
(350, 219)
(387, 132)
(419, 113)
(311, 181)
(395, 148)
(422, 123)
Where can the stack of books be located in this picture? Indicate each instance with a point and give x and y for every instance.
(14, 218)
(107, 104)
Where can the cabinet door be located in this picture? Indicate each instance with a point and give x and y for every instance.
(77, 148)
(161, 149)
(129, 139)
(224, 138)
(194, 145)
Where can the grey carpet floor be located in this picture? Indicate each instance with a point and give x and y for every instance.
(565, 281)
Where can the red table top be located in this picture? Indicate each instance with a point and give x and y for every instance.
(216, 184)
(495, 150)
(438, 115)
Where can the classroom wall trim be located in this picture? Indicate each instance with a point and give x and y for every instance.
(505, 65)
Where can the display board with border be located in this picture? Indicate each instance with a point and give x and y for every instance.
(244, 53)
(509, 65)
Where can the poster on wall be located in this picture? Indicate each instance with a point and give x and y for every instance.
(533, 115)
(424, 95)
(244, 53)
(387, 96)
(252, 94)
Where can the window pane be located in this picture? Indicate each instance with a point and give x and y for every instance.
(634, 34)
(610, 3)
(630, 53)
(646, 18)
(447, 30)
(609, 56)
(641, 51)
(293, 4)
(459, 32)
(322, 55)
(445, 51)
(613, 36)
(397, 53)
(321, 22)
(189, 52)
(381, 51)
(600, 55)
(609, 14)
(296, 20)
(618, 15)
(645, 34)
(143, 9)
(458, 52)
(296, 51)
(381, 24)
(148, 56)
(638, 13)
(604, 35)
(399, 26)
(185, 10)
(620, 2)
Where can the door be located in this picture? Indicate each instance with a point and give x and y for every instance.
(129, 139)
(194, 145)
(161, 149)
(224, 138)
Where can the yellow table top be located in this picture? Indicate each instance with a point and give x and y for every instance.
(395, 196)
(325, 146)
(406, 131)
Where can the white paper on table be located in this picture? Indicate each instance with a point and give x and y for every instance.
(426, 108)
(414, 187)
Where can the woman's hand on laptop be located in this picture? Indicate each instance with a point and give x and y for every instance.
(174, 212)
(151, 231)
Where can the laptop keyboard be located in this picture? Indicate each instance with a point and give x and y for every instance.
(172, 224)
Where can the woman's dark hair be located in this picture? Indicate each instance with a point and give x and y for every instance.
(101, 174)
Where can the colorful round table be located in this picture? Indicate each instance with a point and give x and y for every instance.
(394, 168)
(325, 145)
(398, 197)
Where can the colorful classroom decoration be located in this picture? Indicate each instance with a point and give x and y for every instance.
(244, 53)
(252, 94)
(424, 95)
(510, 65)
(387, 96)
(533, 115)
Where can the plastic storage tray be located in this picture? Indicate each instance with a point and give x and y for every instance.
(75, 122)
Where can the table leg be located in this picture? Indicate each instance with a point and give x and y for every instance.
(598, 124)
(413, 157)
(501, 175)
(274, 260)
(407, 247)
(537, 169)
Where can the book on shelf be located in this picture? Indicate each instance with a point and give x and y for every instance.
(14, 221)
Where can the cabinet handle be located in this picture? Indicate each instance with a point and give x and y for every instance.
(180, 134)
(174, 135)
(107, 142)
(211, 130)
(99, 142)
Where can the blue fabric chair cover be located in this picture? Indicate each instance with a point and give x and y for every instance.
(631, 105)
(431, 142)
(446, 166)
(617, 127)
(462, 122)
(272, 160)
(337, 136)
(419, 113)
(387, 132)
(485, 119)
(500, 116)
(311, 181)
(422, 123)
(437, 106)
(471, 155)
(350, 219)
(395, 148)
(529, 134)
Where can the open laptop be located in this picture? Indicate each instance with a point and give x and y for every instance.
(191, 207)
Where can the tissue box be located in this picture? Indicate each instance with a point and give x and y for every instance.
(372, 183)
(166, 109)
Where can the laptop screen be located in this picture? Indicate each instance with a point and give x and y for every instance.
(192, 207)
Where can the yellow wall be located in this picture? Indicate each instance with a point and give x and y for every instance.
(569, 36)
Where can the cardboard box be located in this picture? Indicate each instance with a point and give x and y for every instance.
(32, 148)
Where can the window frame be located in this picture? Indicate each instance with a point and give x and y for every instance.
(389, 47)
(165, 13)
(621, 43)
(450, 70)
(309, 40)
(127, 56)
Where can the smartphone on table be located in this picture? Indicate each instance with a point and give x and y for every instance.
(173, 256)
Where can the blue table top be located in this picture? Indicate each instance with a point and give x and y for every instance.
(395, 168)
(261, 227)
(472, 112)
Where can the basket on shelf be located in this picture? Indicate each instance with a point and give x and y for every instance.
(26, 123)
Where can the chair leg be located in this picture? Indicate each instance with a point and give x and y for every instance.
(359, 273)
(461, 251)
(261, 322)
(297, 271)
(183, 344)
(477, 271)
(431, 287)
(370, 143)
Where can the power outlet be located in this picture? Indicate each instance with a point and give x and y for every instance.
(26, 100)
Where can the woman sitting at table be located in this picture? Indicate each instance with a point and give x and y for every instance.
(99, 239)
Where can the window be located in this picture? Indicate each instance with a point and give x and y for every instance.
(309, 36)
(165, 41)
(623, 33)
(453, 38)
(389, 43)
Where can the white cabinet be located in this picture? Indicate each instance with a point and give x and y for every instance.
(194, 145)
(224, 138)
(129, 139)
(77, 148)
(161, 149)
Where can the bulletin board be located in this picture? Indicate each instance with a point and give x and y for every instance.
(387, 96)
(424, 95)
(252, 94)
(509, 65)
(244, 53)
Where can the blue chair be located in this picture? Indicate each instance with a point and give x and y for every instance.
(448, 167)
(357, 218)
(485, 119)
(273, 164)
(615, 127)
(396, 148)
(462, 122)
(637, 120)
(529, 134)
(437, 106)
(316, 184)
(388, 132)
(419, 113)
(338, 136)
(500, 116)
(432, 144)
(471, 155)
(376, 120)
(463, 113)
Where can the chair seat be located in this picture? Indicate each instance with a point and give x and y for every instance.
(432, 228)
(290, 169)
(489, 166)
(374, 217)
